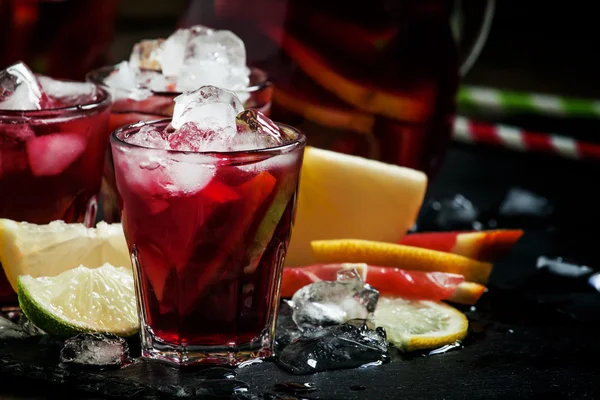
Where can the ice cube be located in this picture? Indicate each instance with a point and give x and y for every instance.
(143, 55)
(286, 330)
(213, 57)
(349, 345)
(154, 81)
(172, 51)
(52, 154)
(256, 131)
(28, 327)
(10, 330)
(210, 108)
(456, 213)
(19, 89)
(123, 83)
(69, 93)
(148, 136)
(326, 303)
(95, 349)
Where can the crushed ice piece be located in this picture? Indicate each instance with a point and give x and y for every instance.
(523, 202)
(122, 83)
(256, 131)
(348, 345)
(327, 303)
(28, 327)
(10, 330)
(19, 89)
(95, 349)
(453, 213)
(69, 92)
(558, 266)
(210, 108)
(148, 136)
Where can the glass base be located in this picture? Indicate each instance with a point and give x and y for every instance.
(193, 355)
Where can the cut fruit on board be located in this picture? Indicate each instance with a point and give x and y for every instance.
(418, 285)
(418, 325)
(347, 196)
(483, 246)
(48, 250)
(413, 106)
(400, 256)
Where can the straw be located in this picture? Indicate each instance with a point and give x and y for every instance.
(466, 130)
(535, 103)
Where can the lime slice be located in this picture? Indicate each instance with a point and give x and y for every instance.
(48, 250)
(81, 300)
(417, 325)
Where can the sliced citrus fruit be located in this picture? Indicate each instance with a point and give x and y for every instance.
(399, 256)
(48, 250)
(81, 300)
(348, 196)
(417, 325)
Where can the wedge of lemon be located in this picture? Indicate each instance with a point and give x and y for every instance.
(81, 300)
(48, 250)
(417, 325)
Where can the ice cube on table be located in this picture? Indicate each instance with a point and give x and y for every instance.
(348, 345)
(10, 330)
(327, 303)
(28, 327)
(95, 349)
(69, 93)
(19, 89)
(209, 108)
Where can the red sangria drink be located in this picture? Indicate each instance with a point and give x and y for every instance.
(52, 145)
(144, 87)
(375, 79)
(208, 200)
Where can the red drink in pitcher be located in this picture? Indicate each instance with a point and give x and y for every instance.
(52, 144)
(208, 226)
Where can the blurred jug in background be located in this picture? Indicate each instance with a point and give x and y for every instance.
(59, 38)
(377, 79)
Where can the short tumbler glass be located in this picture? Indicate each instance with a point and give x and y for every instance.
(208, 234)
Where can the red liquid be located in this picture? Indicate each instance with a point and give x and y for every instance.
(51, 168)
(159, 106)
(375, 79)
(209, 260)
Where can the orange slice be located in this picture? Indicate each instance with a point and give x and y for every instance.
(399, 256)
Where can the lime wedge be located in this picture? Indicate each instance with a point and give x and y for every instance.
(81, 300)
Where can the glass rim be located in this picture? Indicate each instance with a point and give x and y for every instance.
(299, 142)
(98, 75)
(103, 100)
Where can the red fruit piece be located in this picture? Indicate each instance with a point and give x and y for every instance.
(52, 154)
(483, 246)
(417, 285)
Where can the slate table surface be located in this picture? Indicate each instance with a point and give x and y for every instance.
(519, 347)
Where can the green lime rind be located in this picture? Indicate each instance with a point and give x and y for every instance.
(45, 319)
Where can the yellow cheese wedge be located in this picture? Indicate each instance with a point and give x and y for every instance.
(343, 196)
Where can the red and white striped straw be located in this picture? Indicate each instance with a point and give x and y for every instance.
(515, 138)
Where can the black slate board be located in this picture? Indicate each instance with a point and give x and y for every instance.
(519, 347)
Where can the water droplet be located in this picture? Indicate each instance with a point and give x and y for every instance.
(444, 349)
